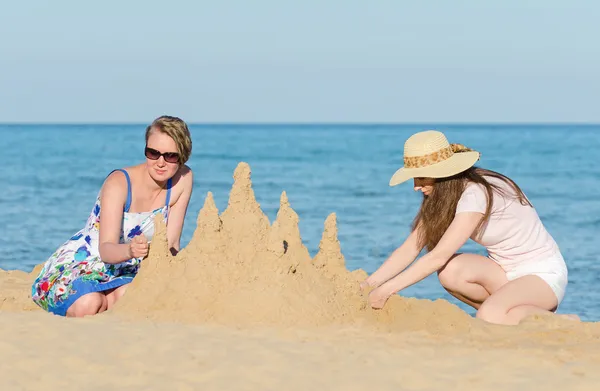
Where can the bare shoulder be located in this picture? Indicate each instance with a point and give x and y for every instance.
(115, 184)
(183, 183)
(186, 176)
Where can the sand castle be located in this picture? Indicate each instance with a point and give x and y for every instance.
(239, 269)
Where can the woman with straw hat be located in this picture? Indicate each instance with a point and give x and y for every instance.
(524, 272)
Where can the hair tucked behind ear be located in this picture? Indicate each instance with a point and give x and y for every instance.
(438, 209)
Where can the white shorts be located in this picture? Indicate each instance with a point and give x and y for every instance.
(553, 270)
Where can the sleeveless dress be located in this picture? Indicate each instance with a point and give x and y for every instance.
(76, 269)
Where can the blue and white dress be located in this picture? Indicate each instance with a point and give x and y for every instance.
(76, 269)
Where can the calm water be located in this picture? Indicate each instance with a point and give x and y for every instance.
(53, 173)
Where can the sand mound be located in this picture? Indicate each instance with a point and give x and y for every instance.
(15, 290)
(240, 270)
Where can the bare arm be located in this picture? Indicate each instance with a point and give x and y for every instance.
(454, 238)
(178, 210)
(113, 197)
(397, 261)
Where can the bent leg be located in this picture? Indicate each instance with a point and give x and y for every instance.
(115, 294)
(517, 299)
(522, 311)
(88, 304)
(472, 278)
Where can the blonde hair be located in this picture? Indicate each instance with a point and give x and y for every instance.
(178, 130)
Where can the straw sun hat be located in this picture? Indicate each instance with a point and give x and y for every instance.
(428, 154)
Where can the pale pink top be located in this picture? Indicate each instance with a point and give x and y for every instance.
(514, 232)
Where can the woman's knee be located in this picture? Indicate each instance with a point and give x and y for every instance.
(464, 269)
(492, 313)
(114, 295)
(88, 304)
(454, 274)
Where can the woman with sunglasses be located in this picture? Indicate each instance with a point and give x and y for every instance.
(91, 270)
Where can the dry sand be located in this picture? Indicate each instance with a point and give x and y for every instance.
(244, 306)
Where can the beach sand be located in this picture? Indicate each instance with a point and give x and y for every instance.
(244, 306)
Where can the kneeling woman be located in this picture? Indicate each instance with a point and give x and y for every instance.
(524, 272)
(88, 273)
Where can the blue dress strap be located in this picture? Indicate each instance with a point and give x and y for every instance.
(128, 202)
(169, 183)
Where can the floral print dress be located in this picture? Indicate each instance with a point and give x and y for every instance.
(76, 269)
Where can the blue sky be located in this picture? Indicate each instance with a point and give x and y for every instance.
(300, 61)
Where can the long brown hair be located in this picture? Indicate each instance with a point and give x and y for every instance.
(438, 209)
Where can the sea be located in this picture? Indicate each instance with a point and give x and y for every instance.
(52, 174)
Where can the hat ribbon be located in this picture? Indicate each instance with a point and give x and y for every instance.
(435, 157)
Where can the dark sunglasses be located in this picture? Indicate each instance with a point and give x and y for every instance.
(153, 154)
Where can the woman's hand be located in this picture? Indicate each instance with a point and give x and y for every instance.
(138, 247)
(365, 284)
(397, 261)
(379, 296)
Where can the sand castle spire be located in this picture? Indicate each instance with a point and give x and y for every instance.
(283, 200)
(241, 196)
(243, 220)
(208, 217)
(207, 236)
(330, 255)
(159, 246)
(285, 239)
